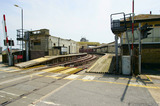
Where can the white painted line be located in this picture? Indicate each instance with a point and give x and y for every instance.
(14, 70)
(56, 74)
(136, 83)
(72, 77)
(88, 77)
(26, 71)
(51, 93)
(9, 93)
(6, 69)
(50, 103)
(19, 78)
(1, 96)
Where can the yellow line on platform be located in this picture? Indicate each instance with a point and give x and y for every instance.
(4, 71)
(53, 77)
(33, 67)
(68, 70)
(149, 78)
(58, 70)
(133, 85)
(40, 75)
(52, 69)
(75, 71)
(15, 68)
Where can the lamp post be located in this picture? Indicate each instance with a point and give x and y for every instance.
(22, 22)
(22, 26)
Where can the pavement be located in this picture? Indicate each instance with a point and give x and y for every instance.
(36, 87)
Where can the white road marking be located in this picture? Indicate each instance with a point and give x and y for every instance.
(1, 96)
(19, 78)
(9, 93)
(14, 70)
(6, 69)
(51, 93)
(88, 77)
(136, 83)
(72, 77)
(56, 74)
(50, 103)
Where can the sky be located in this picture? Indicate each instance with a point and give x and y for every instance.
(69, 19)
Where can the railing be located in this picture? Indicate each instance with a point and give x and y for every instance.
(146, 40)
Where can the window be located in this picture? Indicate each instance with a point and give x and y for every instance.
(37, 42)
(157, 25)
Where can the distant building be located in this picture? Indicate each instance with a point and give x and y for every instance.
(105, 48)
(84, 40)
(42, 44)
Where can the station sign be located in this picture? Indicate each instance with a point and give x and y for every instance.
(19, 56)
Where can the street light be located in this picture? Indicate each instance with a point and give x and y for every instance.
(22, 22)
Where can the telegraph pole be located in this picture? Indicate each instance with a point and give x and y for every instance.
(139, 49)
(132, 47)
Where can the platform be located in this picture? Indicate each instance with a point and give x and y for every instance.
(105, 64)
(44, 60)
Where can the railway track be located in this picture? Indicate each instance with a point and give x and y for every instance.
(37, 73)
(26, 79)
(79, 61)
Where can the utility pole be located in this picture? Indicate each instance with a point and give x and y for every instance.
(27, 35)
(132, 47)
(139, 49)
(22, 25)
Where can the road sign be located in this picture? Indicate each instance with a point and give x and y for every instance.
(11, 42)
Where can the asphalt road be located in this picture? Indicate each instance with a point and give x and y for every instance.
(34, 87)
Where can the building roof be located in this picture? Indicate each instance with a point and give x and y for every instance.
(104, 45)
(89, 43)
(145, 16)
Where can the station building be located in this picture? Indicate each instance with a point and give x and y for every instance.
(43, 44)
(150, 45)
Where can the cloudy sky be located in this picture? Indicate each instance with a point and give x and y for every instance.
(70, 19)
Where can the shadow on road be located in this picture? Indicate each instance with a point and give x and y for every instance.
(124, 93)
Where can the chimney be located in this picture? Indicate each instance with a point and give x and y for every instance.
(150, 12)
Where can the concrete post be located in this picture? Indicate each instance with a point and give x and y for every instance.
(116, 52)
(11, 57)
(27, 45)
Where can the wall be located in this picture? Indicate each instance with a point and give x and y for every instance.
(41, 44)
(71, 45)
(153, 37)
(150, 53)
(150, 45)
